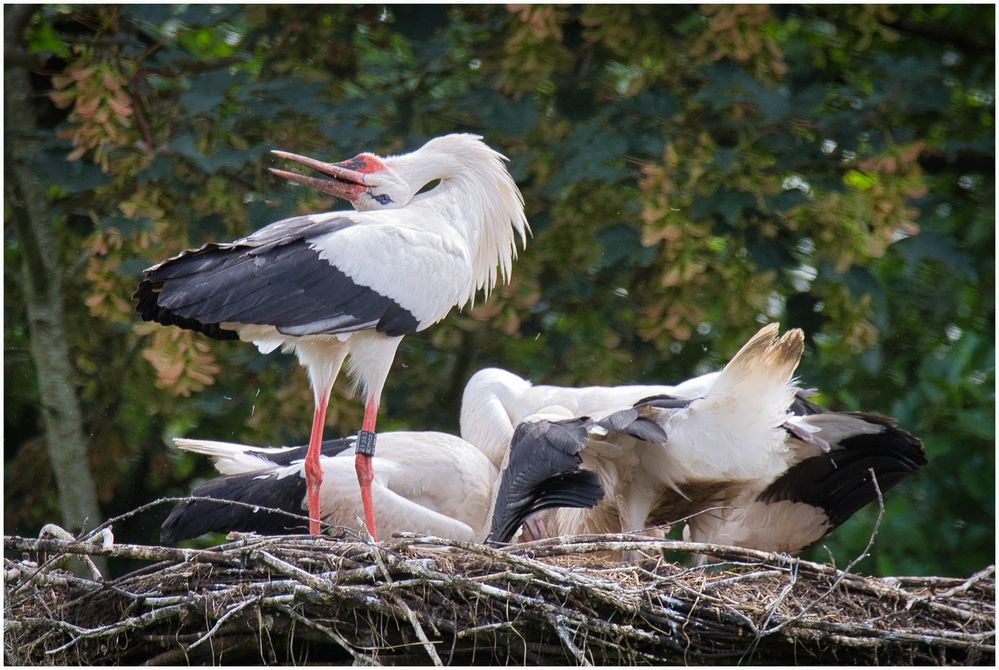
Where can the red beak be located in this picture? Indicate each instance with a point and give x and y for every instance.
(346, 182)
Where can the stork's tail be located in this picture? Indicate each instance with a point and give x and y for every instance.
(735, 430)
(764, 364)
(231, 458)
(756, 389)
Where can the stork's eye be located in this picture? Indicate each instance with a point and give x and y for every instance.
(429, 186)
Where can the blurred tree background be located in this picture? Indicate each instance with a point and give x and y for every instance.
(690, 173)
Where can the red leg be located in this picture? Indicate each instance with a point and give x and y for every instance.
(365, 471)
(313, 470)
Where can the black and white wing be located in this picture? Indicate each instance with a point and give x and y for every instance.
(252, 492)
(276, 277)
(254, 478)
(544, 468)
(838, 481)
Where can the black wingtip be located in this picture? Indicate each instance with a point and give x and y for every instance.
(147, 300)
(664, 402)
(802, 405)
(631, 422)
(543, 471)
(839, 482)
(580, 489)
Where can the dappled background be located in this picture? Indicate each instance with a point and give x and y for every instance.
(689, 172)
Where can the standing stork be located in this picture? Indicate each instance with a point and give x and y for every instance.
(351, 284)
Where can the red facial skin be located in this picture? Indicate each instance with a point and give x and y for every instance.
(365, 163)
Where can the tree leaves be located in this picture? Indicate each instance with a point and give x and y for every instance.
(688, 173)
(207, 91)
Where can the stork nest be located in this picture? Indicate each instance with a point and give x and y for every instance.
(420, 600)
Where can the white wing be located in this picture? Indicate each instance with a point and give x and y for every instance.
(425, 271)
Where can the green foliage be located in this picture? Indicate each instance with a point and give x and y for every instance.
(689, 174)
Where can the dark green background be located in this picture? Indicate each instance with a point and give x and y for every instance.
(689, 173)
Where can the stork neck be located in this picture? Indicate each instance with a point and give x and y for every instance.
(488, 406)
(481, 203)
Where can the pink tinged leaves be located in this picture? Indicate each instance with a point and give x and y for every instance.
(183, 363)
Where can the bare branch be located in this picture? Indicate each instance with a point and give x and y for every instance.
(415, 597)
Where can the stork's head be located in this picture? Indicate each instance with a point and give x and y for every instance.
(366, 181)
(470, 174)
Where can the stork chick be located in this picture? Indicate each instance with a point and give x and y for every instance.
(742, 450)
(425, 482)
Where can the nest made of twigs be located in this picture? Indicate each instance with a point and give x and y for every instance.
(422, 600)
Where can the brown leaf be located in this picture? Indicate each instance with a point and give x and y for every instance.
(86, 107)
(109, 82)
(62, 99)
(120, 109)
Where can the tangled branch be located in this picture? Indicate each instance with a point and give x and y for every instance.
(419, 600)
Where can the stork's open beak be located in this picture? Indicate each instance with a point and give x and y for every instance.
(346, 183)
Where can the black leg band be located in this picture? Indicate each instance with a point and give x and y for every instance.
(365, 443)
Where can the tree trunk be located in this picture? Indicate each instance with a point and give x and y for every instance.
(32, 223)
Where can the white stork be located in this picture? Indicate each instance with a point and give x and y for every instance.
(351, 284)
(742, 450)
(424, 482)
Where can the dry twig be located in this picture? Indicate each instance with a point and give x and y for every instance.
(417, 599)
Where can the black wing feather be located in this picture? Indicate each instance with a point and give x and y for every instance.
(543, 472)
(194, 518)
(802, 406)
(575, 489)
(664, 402)
(839, 482)
(275, 278)
(327, 448)
(630, 422)
(191, 519)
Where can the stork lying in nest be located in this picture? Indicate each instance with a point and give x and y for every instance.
(741, 454)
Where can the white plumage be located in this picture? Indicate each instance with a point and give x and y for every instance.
(730, 430)
(741, 450)
(424, 482)
(346, 286)
(495, 401)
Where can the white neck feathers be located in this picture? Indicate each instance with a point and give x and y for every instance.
(489, 206)
(486, 420)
